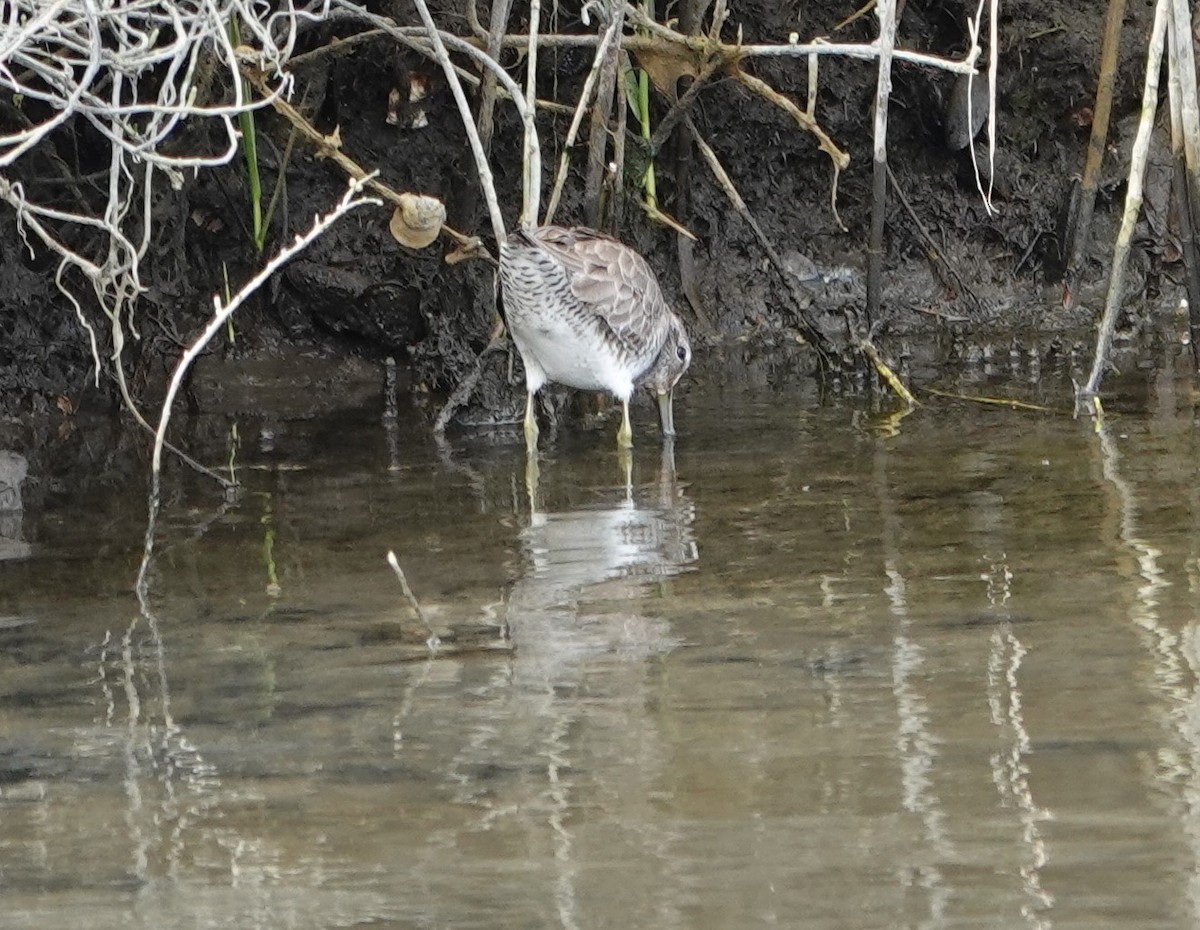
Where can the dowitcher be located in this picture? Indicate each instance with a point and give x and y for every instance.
(586, 311)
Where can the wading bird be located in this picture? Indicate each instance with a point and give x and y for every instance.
(586, 311)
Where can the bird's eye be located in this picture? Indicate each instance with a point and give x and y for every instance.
(681, 352)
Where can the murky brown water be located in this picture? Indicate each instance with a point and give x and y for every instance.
(823, 676)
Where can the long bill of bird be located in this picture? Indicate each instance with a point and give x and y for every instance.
(673, 360)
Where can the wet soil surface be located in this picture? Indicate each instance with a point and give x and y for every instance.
(356, 292)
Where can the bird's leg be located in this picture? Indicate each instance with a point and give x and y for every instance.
(531, 427)
(625, 460)
(625, 433)
(532, 473)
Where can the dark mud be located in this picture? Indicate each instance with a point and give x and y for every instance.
(357, 293)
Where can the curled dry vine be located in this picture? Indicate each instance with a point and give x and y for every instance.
(129, 74)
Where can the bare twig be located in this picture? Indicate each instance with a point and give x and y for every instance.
(224, 309)
(439, 42)
(700, 46)
(585, 97)
(532, 154)
(133, 93)
(732, 53)
(414, 38)
(935, 253)
(875, 251)
(487, 97)
(839, 158)
(608, 93)
(462, 392)
(1081, 222)
(973, 28)
(807, 326)
(616, 213)
(682, 106)
(991, 401)
(352, 168)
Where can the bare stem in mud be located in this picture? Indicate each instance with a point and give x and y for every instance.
(487, 96)
(1080, 223)
(807, 326)
(585, 99)
(936, 256)
(606, 95)
(1185, 155)
(532, 153)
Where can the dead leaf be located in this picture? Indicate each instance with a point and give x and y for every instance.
(666, 64)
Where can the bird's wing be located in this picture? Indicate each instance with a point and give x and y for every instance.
(613, 281)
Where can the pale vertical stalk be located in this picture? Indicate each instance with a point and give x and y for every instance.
(1185, 153)
(464, 109)
(993, 66)
(533, 154)
(487, 95)
(886, 10)
(1182, 59)
(1086, 399)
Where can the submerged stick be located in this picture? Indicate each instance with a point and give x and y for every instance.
(890, 378)
(991, 401)
(433, 642)
(1086, 399)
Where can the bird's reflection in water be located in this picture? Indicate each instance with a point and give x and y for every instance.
(588, 617)
(590, 571)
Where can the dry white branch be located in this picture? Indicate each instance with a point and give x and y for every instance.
(585, 99)
(223, 310)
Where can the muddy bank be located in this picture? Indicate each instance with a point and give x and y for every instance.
(357, 293)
